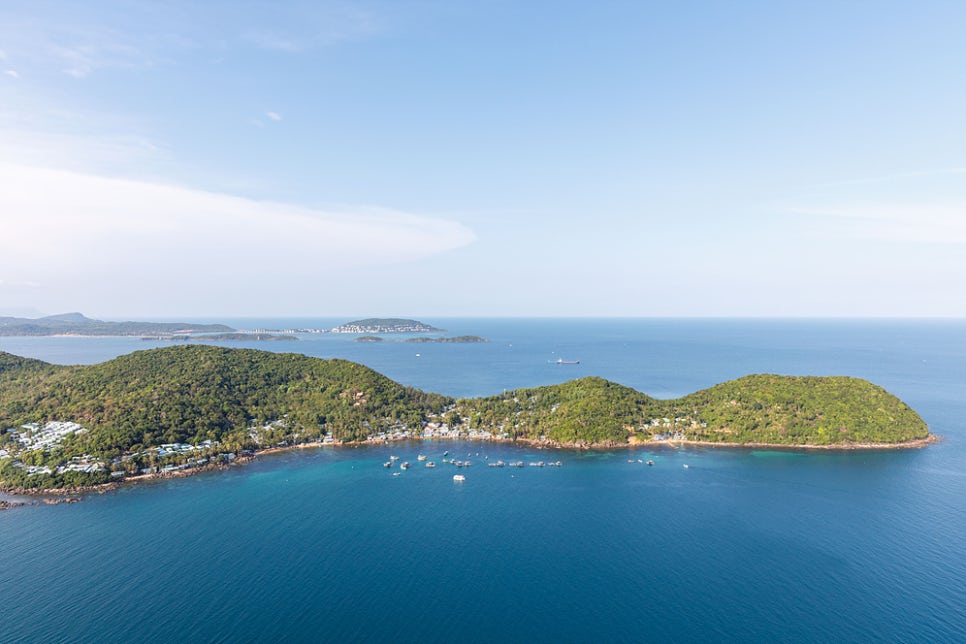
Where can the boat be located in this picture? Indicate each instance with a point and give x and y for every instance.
(685, 466)
(393, 458)
(421, 457)
(430, 464)
(387, 464)
(650, 462)
(562, 361)
(404, 466)
(459, 478)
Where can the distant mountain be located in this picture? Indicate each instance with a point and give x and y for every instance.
(78, 324)
(386, 325)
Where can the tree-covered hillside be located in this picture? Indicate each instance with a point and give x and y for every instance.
(196, 393)
(61, 425)
(803, 410)
(781, 410)
(588, 410)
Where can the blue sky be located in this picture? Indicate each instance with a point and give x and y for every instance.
(483, 158)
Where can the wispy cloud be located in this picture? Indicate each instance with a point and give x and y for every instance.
(919, 223)
(273, 41)
(273, 116)
(914, 207)
(315, 26)
(143, 239)
(12, 73)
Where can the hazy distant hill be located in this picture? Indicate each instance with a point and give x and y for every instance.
(78, 324)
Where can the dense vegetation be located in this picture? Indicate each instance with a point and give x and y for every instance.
(781, 410)
(242, 399)
(588, 410)
(803, 410)
(190, 394)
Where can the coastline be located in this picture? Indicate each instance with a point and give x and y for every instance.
(74, 494)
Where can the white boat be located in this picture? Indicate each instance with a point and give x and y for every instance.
(459, 478)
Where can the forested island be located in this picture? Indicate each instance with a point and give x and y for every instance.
(78, 324)
(189, 406)
(386, 325)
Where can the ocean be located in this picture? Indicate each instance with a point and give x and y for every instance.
(324, 544)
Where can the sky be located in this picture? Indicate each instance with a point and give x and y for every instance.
(447, 158)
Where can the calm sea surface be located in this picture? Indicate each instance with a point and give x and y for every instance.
(326, 545)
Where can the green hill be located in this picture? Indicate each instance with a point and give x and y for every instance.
(589, 410)
(803, 410)
(228, 400)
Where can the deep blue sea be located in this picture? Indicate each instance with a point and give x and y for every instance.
(324, 544)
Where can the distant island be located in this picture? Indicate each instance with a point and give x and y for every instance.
(386, 325)
(453, 340)
(227, 337)
(78, 324)
(187, 407)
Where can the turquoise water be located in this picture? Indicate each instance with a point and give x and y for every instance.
(324, 544)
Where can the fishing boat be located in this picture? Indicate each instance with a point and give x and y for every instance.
(459, 478)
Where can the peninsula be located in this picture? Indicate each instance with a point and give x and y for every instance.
(386, 325)
(190, 406)
(78, 324)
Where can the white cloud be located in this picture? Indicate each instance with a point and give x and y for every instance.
(12, 73)
(918, 207)
(273, 116)
(923, 223)
(273, 41)
(135, 240)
